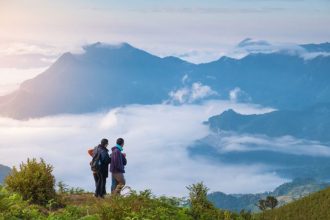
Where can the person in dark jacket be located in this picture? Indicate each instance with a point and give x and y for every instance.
(117, 167)
(101, 175)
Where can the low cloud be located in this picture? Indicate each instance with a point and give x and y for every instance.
(238, 95)
(249, 46)
(157, 137)
(191, 93)
(226, 142)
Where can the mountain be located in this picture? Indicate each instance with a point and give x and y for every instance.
(291, 143)
(107, 76)
(285, 193)
(314, 206)
(4, 171)
(103, 77)
(312, 123)
(279, 80)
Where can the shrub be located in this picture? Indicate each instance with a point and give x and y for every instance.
(201, 207)
(34, 181)
(12, 206)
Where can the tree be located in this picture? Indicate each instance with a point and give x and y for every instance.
(34, 181)
(62, 187)
(271, 202)
(201, 207)
(262, 205)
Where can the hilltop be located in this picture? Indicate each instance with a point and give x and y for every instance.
(314, 206)
(284, 193)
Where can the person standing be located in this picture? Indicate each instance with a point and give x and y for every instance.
(117, 167)
(100, 167)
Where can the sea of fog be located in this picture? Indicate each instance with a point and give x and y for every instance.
(157, 137)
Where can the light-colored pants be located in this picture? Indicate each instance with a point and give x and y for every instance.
(118, 183)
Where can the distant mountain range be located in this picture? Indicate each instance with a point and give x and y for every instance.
(292, 143)
(4, 171)
(285, 193)
(107, 76)
(312, 123)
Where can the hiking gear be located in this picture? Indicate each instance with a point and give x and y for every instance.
(96, 161)
(90, 152)
(101, 160)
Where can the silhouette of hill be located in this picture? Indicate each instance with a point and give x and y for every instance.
(4, 171)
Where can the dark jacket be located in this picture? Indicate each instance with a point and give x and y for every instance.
(118, 161)
(104, 158)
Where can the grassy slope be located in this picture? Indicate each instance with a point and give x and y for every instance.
(314, 206)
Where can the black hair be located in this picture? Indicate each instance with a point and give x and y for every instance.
(104, 142)
(120, 141)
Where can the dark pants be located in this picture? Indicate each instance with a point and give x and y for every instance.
(100, 182)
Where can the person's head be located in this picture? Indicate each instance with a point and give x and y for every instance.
(120, 142)
(104, 142)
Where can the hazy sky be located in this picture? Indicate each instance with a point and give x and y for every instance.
(34, 33)
(171, 26)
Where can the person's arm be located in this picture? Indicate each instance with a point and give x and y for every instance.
(107, 159)
(124, 159)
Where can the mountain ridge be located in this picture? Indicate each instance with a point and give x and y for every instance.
(105, 76)
(312, 123)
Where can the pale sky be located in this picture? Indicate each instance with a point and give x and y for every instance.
(177, 25)
(195, 30)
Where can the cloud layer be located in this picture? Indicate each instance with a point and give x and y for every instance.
(157, 137)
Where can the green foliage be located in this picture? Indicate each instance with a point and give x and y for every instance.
(270, 202)
(201, 207)
(34, 181)
(70, 212)
(285, 193)
(314, 206)
(262, 205)
(17, 198)
(141, 205)
(12, 206)
(62, 188)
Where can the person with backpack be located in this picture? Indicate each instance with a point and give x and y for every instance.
(117, 167)
(100, 167)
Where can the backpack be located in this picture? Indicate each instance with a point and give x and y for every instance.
(96, 161)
